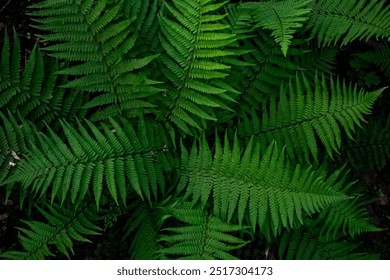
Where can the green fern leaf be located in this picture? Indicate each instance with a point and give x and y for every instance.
(267, 190)
(63, 225)
(309, 113)
(109, 154)
(282, 18)
(333, 21)
(204, 237)
(193, 39)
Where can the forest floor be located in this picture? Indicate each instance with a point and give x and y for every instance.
(13, 15)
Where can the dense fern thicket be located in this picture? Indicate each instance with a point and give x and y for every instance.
(197, 129)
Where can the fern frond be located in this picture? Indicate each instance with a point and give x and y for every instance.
(115, 158)
(193, 38)
(96, 39)
(143, 226)
(267, 190)
(282, 18)
(371, 147)
(202, 237)
(306, 244)
(62, 227)
(304, 114)
(349, 217)
(332, 21)
(380, 57)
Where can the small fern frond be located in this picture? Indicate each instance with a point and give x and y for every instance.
(194, 38)
(267, 190)
(332, 21)
(62, 227)
(202, 236)
(283, 18)
(305, 113)
(89, 159)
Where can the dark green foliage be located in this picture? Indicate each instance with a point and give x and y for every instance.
(111, 124)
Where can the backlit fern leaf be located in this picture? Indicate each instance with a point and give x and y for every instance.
(202, 236)
(266, 189)
(62, 227)
(305, 113)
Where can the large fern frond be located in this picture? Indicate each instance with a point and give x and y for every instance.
(305, 113)
(194, 38)
(95, 38)
(332, 21)
(202, 236)
(267, 190)
(118, 158)
(63, 226)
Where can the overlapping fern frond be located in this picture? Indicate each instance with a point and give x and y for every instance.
(333, 21)
(370, 148)
(283, 18)
(306, 244)
(63, 226)
(305, 114)
(118, 158)
(142, 228)
(380, 56)
(203, 236)
(194, 37)
(95, 38)
(265, 191)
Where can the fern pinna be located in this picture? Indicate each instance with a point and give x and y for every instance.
(111, 128)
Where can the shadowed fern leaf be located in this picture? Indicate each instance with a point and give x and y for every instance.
(371, 148)
(94, 37)
(63, 225)
(380, 56)
(301, 244)
(202, 236)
